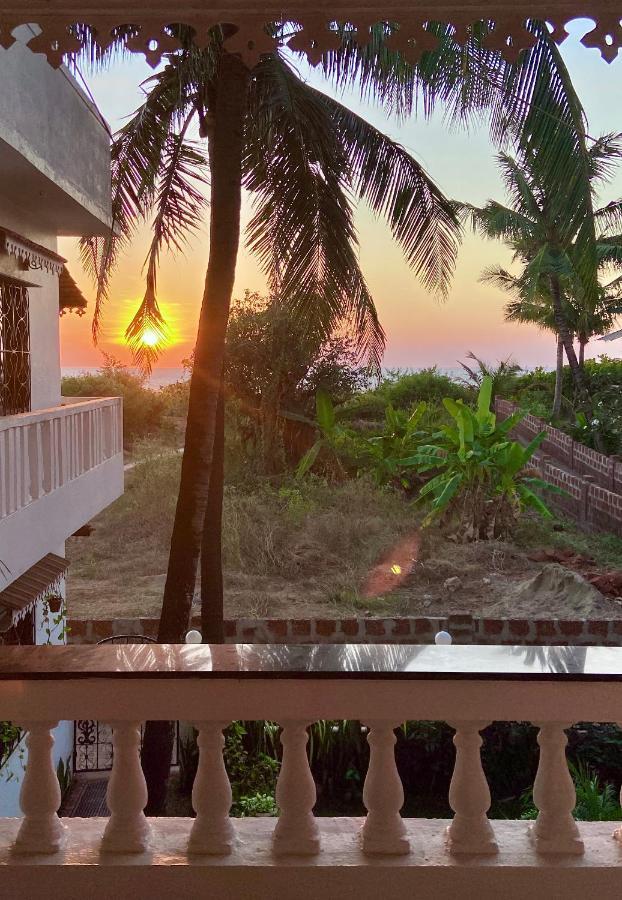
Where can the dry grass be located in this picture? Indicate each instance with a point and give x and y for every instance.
(306, 550)
(301, 550)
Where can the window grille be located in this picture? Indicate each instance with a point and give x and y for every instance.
(14, 348)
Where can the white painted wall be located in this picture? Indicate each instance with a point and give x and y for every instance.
(54, 145)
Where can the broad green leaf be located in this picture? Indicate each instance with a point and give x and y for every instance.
(448, 493)
(484, 399)
(308, 459)
(325, 411)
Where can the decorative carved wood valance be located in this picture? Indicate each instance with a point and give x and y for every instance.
(311, 30)
(29, 254)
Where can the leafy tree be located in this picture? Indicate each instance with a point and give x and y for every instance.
(275, 364)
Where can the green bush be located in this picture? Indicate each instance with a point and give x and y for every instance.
(143, 409)
(402, 390)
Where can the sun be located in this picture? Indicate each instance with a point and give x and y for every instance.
(149, 338)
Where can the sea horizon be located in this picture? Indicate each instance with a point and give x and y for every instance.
(163, 376)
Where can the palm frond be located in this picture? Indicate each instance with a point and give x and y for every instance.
(397, 187)
(609, 218)
(147, 320)
(137, 152)
(303, 230)
(539, 110)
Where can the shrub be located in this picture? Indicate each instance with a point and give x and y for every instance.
(402, 390)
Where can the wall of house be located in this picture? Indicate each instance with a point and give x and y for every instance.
(54, 145)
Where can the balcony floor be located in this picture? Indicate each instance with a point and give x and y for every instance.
(340, 871)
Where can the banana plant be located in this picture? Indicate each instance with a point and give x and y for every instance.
(332, 436)
(401, 435)
(482, 475)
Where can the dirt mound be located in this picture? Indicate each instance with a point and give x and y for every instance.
(558, 592)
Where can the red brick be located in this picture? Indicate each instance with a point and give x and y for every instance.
(599, 627)
(374, 626)
(519, 627)
(401, 626)
(422, 626)
(230, 628)
(78, 627)
(277, 627)
(571, 627)
(350, 627)
(325, 627)
(248, 634)
(301, 626)
(545, 627)
(493, 626)
(617, 626)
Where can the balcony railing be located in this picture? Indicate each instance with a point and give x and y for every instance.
(58, 468)
(296, 854)
(41, 451)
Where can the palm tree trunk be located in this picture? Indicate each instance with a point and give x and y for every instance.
(212, 596)
(559, 378)
(578, 375)
(582, 344)
(225, 146)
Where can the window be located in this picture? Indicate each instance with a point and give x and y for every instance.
(14, 348)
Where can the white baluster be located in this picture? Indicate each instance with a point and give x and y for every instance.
(555, 830)
(296, 831)
(383, 795)
(41, 830)
(127, 830)
(212, 830)
(469, 795)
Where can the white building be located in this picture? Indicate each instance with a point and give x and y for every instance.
(60, 461)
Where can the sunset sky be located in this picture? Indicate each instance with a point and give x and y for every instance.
(421, 330)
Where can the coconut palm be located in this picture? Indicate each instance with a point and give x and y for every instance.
(305, 159)
(537, 310)
(534, 225)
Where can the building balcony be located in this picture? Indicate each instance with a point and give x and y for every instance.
(59, 467)
(298, 855)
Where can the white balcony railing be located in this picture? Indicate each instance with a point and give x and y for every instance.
(298, 855)
(58, 468)
(41, 451)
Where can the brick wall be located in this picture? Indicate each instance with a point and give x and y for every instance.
(593, 482)
(463, 627)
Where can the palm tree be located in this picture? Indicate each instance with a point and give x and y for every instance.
(553, 273)
(537, 310)
(305, 159)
